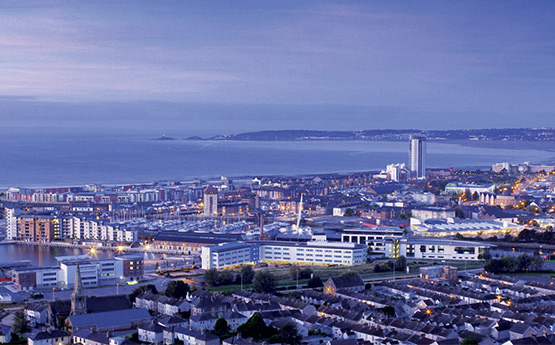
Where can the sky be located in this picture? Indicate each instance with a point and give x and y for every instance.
(249, 65)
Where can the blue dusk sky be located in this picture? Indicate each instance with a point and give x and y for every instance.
(248, 65)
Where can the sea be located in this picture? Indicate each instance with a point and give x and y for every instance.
(76, 156)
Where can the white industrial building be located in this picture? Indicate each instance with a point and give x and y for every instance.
(460, 188)
(309, 253)
(467, 227)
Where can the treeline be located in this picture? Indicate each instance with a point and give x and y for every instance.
(262, 281)
(522, 263)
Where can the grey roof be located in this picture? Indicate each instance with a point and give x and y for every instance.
(194, 237)
(5, 329)
(203, 317)
(353, 280)
(49, 335)
(196, 334)
(110, 319)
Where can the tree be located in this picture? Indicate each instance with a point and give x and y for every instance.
(177, 289)
(255, 327)
(401, 262)
(289, 334)
(211, 277)
(20, 325)
(247, 273)
(388, 311)
(221, 327)
(226, 278)
(264, 282)
(469, 341)
(293, 271)
(305, 273)
(315, 282)
(144, 288)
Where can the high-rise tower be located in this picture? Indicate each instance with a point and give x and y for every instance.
(78, 298)
(210, 201)
(417, 156)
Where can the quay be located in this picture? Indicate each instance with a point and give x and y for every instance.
(96, 246)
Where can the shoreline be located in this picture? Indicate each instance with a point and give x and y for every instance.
(493, 145)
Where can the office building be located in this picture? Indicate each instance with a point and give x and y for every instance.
(119, 270)
(417, 156)
(308, 253)
(438, 249)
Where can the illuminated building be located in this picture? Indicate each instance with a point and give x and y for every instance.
(417, 156)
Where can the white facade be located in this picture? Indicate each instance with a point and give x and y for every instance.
(85, 228)
(310, 253)
(395, 171)
(210, 204)
(93, 273)
(438, 249)
(460, 188)
(225, 255)
(466, 227)
(11, 224)
(433, 213)
(372, 237)
(417, 156)
(314, 253)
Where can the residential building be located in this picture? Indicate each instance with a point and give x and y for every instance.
(351, 282)
(438, 274)
(210, 197)
(49, 337)
(417, 156)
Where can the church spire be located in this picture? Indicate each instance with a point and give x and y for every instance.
(78, 298)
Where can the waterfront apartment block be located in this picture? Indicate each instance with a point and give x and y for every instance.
(232, 254)
(121, 269)
(47, 226)
(92, 228)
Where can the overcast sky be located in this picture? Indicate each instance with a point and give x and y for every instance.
(278, 64)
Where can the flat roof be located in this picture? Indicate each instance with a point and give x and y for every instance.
(447, 242)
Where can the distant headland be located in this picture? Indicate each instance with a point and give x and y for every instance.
(493, 134)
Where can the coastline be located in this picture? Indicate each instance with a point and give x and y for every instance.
(359, 150)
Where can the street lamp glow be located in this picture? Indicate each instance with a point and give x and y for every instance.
(92, 250)
(120, 249)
